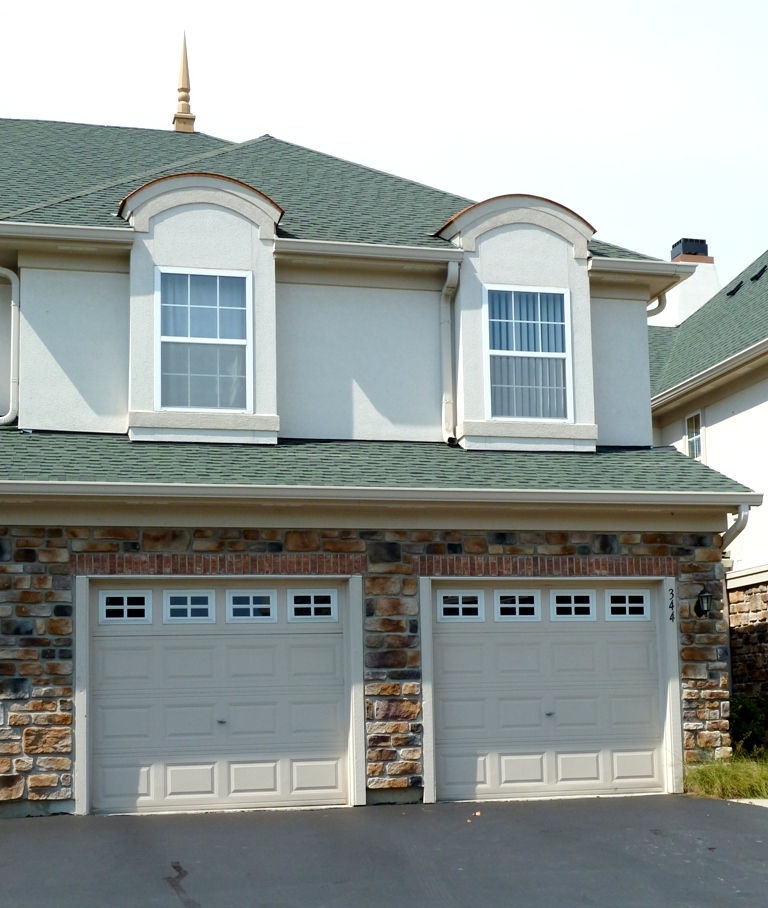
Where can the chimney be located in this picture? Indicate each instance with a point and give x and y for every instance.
(184, 119)
(687, 250)
(691, 294)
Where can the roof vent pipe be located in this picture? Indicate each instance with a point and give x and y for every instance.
(13, 411)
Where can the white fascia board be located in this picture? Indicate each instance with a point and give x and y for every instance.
(713, 373)
(122, 236)
(747, 577)
(727, 500)
(284, 246)
(663, 275)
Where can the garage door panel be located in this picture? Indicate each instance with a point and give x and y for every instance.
(519, 658)
(182, 663)
(516, 713)
(526, 709)
(218, 716)
(187, 720)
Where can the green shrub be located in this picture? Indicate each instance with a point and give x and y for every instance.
(749, 724)
(740, 777)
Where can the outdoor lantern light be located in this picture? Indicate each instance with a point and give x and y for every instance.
(703, 604)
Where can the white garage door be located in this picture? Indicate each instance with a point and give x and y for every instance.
(215, 698)
(546, 691)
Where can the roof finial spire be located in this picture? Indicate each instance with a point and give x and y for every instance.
(184, 119)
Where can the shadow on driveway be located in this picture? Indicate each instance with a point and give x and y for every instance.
(666, 851)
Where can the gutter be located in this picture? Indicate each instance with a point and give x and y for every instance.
(671, 273)
(122, 236)
(736, 527)
(446, 351)
(661, 305)
(14, 489)
(13, 411)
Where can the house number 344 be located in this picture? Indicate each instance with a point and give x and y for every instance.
(671, 604)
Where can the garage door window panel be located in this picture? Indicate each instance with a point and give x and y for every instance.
(572, 605)
(312, 605)
(456, 605)
(251, 606)
(517, 605)
(189, 607)
(627, 605)
(125, 607)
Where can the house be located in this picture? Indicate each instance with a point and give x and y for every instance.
(709, 371)
(320, 486)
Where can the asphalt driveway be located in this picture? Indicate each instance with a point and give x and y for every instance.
(668, 851)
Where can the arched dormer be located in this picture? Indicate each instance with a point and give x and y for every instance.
(203, 344)
(524, 346)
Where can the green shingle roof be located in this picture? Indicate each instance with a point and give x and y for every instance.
(74, 174)
(76, 457)
(729, 323)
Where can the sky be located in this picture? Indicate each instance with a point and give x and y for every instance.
(647, 117)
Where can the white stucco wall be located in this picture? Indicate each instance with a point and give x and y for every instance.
(689, 295)
(358, 362)
(5, 346)
(207, 237)
(621, 372)
(524, 255)
(734, 429)
(73, 362)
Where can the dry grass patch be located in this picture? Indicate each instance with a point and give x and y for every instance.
(741, 777)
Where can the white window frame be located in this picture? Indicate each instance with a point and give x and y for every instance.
(169, 619)
(252, 619)
(646, 594)
(103, 594)
(568, 356)
(159, 339)
(473, 619)
(497, 604)
(313, 619)
(702, 450)
(592, 616)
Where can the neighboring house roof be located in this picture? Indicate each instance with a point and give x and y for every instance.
(90, 458)
(73, 174)
(735, 319)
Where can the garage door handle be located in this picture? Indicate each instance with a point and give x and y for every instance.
(549, 714)
(222, 721)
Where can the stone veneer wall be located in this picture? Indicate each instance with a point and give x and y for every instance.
(38, 564)
(748, 609)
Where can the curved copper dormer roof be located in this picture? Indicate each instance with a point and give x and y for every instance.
(198, 173)
(512, 195)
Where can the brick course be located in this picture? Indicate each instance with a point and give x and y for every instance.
(38, 564)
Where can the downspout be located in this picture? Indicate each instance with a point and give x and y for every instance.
(661, 305)
(446, 351)
(13, 411)
(736, 527)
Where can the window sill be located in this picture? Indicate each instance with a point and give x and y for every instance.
(203, 426)
(521, 428)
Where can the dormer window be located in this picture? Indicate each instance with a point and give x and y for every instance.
(528, 352)
(205, 339)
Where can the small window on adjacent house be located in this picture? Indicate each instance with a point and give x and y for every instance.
(693, 435)
(572, 605)
(517, 605)
(453, 605)
(312, 605)
(528, 340)
(246, 606)
(125, 607)
(189, 607)
(627, 605)
(204, 333)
